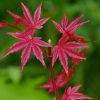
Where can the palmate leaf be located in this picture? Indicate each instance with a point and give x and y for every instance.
(60, 82)
(32, 23)
(27, 44)
(36, 22)
(66, 49)
(72, 94)
(69, 30)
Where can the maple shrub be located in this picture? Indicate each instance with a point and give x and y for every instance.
(70, 49)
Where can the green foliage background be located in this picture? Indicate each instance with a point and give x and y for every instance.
(17, 85)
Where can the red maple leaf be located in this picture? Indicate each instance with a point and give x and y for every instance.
(65, 49)
(34, 22)
(49, 85)
(61, 80)
(30, 22)
(28, 44)
(72, 94)
(68, 30)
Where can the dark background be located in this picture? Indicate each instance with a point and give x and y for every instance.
(17, 85)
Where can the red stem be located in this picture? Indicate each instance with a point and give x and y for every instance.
(52, 72)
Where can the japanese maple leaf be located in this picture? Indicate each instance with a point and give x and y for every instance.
(60, 82)
(65, 49)
(69, 30)
(49, 85)
(31, 22)
(27, 45)
(72, 94)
